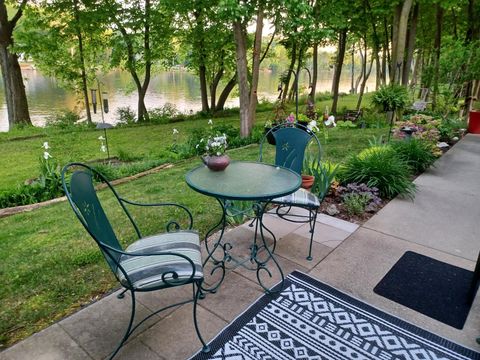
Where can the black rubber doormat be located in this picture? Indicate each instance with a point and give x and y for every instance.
(431, 287)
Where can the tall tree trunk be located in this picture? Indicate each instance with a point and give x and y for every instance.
(363, 66)
(213, 88)
(386, 56)
(384, 65)
(401, 37)
(314, 73)
(239, 32)
(416, 68)
(342, 41)
(257, 48)
(202, 69)
(290, 70)
(352, 79)
(294, 87)
(202, 75)
(376, 43)
(226, 91)
(411, 36)
(142, 113)
(366, 75)
(437, 47)
(82, 61)
(15, 96)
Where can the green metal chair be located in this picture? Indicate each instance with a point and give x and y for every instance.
(150, 263)
(291, 142)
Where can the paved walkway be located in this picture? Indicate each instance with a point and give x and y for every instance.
(443, 222)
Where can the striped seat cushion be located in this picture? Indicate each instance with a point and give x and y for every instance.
(146, 271)
(301, 197)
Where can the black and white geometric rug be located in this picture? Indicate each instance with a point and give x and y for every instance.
(311, 320)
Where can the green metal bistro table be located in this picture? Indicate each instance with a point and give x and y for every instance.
(248, 181)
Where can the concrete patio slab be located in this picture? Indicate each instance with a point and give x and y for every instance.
(459, 166)
(234, 295)
(280, 227)
(419, 221)
(295, 248)
(137, 350)
(53, 343)
(361, 261)
(323, 233)
(174, 337)
(100, 326)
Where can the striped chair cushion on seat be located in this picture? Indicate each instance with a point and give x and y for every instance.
(146, 271)
(301, 197)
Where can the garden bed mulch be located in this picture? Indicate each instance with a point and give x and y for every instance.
(26, 208)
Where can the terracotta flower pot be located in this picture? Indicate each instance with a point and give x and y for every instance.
(307, 181)
(216, 163)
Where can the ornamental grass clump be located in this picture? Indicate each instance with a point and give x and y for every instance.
(418, 154)
(379, 167)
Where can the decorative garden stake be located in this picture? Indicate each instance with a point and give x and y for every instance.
(408, 131)
(104, 108)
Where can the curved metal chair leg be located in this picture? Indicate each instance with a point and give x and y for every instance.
(128, 332)
(196, 295)
(313, 221)
(122, 294)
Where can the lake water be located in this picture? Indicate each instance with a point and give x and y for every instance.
(179, 87)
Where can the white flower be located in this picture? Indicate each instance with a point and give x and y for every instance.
(330, 121)
(175, 131)
(196, 147)
(45, 145)
(101, 138)
(46, 155)
(103, 148)
(210, 122)
(312, 126)
(219, 153)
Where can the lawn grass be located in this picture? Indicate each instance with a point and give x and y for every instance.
(50, 267)
(22, 151)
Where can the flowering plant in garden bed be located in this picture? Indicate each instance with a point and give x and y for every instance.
(359, 198)
(424, 127)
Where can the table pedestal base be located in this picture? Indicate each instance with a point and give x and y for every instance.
(222, 258)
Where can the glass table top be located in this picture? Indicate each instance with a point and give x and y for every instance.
(243, 180)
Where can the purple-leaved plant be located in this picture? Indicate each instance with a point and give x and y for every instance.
(364, 190)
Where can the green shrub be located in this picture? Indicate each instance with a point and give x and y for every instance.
(355, 204)
(125, 115)
(418, 154)
(391, 97)
(164, 114)
(379, 167)
(63, 120)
